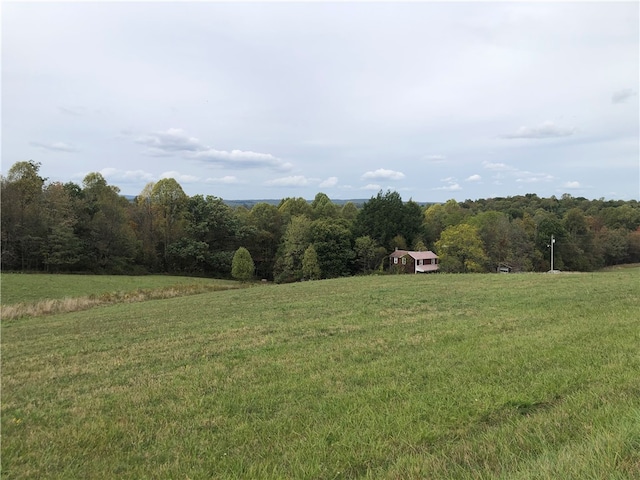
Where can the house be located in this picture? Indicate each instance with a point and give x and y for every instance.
(504, 268)
(414, 262)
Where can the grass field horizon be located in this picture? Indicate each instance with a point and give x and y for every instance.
(440, 376)
(44, 294)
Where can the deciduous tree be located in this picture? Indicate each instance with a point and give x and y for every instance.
(23, 231)
(109, 239)
(367, 253)
(332, 241)
(460, 249)
(296, 239)
(62, 248)
(267, 221)
(310, 266)
(170, 202)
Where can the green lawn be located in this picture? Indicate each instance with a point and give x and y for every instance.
(531, 376)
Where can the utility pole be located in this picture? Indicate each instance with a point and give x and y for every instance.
(553, 240)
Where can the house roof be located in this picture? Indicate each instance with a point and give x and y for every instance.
(415, 255)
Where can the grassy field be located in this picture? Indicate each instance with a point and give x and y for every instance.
(38, 295)
(531, 376)
(30, 288)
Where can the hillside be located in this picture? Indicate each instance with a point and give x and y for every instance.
(443, 376)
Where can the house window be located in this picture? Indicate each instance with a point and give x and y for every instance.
(404, 260)
(428, 261)
(395, 260)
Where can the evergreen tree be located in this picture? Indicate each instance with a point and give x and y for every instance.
(323, 207)
(242, 266)
(62, 248)
(349, 212)
(385, 216)
(380, 217)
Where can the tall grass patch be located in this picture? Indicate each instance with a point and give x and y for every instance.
(441, 376)
(31, 288)
(44, 294)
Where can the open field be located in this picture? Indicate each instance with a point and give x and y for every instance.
(30, 288)
(530, 376)
(44, 294)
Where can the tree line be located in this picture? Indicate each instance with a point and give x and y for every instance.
(66, 227)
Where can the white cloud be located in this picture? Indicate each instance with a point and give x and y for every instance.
(169, 142)
(227, 179)
(450, 188)
(498, 167)
(544, 130)
(372, 186)
(529, 177)
(292, 181)
(572, 185)
(128, 176)
(56, 146)
(621, 96)
(113, 175)
(179, 177)
(227, 111)
(243, 159)
(452, 184)
(505, 171)
(176, 141)
(474, 178)
(329, 182)
(382, 174)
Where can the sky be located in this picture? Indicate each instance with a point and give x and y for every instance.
(265, 100)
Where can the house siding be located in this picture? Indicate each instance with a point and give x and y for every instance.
(415, 262)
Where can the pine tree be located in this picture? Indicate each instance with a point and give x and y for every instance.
(242, 266)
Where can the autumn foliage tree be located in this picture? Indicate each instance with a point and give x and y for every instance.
(461, 250)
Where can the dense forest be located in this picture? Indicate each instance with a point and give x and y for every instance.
(56, 227)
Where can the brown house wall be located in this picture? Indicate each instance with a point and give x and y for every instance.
(410, 265)
(408, 268)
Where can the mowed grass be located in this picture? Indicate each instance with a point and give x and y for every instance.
(531, 376)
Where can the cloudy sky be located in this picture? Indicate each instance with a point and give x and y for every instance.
(272, 100)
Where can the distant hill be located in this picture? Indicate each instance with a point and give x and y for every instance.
(358, 202)
(250, 203)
